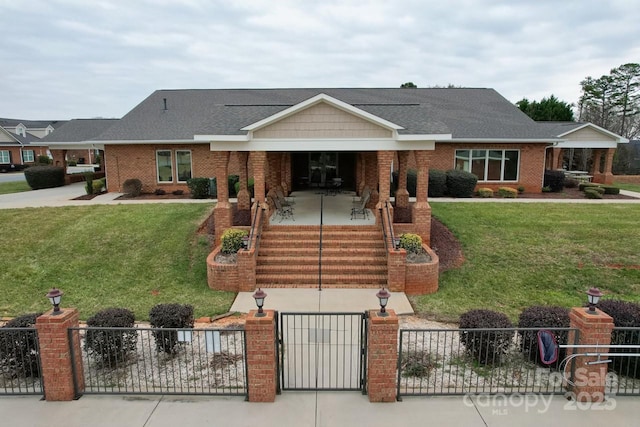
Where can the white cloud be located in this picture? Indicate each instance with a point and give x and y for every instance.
(72, 58)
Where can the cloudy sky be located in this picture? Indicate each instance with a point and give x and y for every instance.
(64, 59)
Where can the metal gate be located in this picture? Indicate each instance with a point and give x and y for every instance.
(322, 351)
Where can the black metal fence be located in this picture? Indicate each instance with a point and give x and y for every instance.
(623, 378)
(460, 361)
(162, 361)
(20, 362)
(322, 351)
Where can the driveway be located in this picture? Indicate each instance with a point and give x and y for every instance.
(11, 177)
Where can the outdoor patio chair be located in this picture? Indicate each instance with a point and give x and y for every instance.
(361, 209)
(282, 211)
(285, 200)
(357, 201)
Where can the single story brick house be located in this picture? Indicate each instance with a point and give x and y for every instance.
(288, 139)
(21, 141)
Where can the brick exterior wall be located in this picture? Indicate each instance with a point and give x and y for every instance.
(221, 277)
(55, 354)
(16, 158)
(382, 356)
(595, 328)
(261, 356)
(422, 279)
(532, 157)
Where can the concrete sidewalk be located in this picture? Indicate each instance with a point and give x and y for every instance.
(328, 300)
(330, 409)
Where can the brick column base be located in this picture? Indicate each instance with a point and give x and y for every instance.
(382, 356)
(402, 198)
(589, 380)
(261, 356)
(55, 355)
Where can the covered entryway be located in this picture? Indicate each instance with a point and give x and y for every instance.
(319, 169)
(322, 351)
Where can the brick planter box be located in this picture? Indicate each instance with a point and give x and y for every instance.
(421, 279)
(221, 277)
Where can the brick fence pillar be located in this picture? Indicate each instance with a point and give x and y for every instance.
(594, 329)
(402, 195)
(382, 356)
(261, 356)
(55, 354)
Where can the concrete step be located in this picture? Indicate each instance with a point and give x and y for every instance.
(334, 259)
(326, 243)
(335, 279)
(338, 269)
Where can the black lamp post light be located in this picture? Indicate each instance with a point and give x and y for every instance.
(593, 295)
(383, 295)
(55, 295)
(259, 296)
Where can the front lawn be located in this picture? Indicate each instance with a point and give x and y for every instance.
(131, 256)
(627, 186)
(520, 254)
(14, 187)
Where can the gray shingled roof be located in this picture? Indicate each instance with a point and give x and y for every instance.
(463, 112)
(78, 130)
(30, 124)
(559, 128)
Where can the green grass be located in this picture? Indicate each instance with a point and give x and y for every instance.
(520, 254)
(629, 187)
(14, 187)
(131, 256)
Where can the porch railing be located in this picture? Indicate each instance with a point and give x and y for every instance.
(387, 227)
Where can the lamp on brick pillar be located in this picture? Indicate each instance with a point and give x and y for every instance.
(593, 295)
(259, 296)
(383, 296)
(55, 296)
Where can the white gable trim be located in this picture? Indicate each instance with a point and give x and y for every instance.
(322, 97)
(617, 137)
(587, 144)
(325, 144)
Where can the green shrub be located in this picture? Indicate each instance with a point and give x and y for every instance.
(72, 163)
(199, 187)
(43, 160)
(411, 243)
(625, 315)
(88, 177)
(487, 346)
(111, 346)
(543, 317)
(546, 189)
(610, 189)
(592, 193)
(437, 183)
(44, 177)
(521, 189)
(507, 192)
(232, 240)
(249, 184)
(485, 192)
(554, 179)
(412, 182)
(169, 316)
(231, 181)
(571, 183)
(177, 192)
(584, 185)
(19, 350)
(98, 185)
(460, 183)
(132, 187)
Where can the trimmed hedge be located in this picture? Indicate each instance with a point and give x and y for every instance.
(170, 316)
(199, 187)
(39, 177)
(132, 187)
(460, 183)
(584, 185)
(543, 317)
(437, 183)
(19, 355)
(507, 192)
(485, 193)
(554, 179)
(624, 314)
(610, 189)
(487, 346)
(111, 346)
(411, 243)
(593, 193)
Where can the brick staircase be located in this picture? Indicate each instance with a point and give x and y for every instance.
(352, 257)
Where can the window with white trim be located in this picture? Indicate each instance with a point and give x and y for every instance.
(4, 156)
(183, 165)
(28, 156)
(490, 165)
(163, 166)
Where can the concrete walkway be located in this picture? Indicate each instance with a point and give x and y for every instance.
(327, 300)
(312, 409)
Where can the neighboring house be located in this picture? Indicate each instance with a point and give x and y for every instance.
(21, 142)
(69, 142)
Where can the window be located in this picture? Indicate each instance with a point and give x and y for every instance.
(27, 156)
(183, 165)
(489, 165)
(4, 156)
(21, 131)
(163, 164)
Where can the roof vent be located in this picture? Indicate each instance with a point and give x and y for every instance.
(165, 103)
